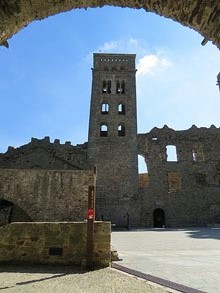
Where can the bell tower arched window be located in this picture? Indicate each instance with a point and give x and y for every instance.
(104, 86)
(120, 87)
(121, 130)
(109, 84)
(121, 109)
(105, 108)
(123, 87)
(103, 130)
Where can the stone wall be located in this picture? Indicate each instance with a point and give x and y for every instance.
(202, 16)
(53, 243)
(185, 188)
(43, 154)
(45, 195)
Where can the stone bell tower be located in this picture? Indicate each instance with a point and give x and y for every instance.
(112, 142)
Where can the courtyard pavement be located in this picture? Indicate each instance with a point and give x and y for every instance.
(190, 257)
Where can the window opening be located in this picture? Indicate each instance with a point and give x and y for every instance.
(121, 109)
(120, 87)
(105, 108)
(121, 130)
(103, 130)
(123, 87)
(109, 86)
(197, 153)
(171, 153)
(142, 165)
(104, 86)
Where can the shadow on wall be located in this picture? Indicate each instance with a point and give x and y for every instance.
(9, 212)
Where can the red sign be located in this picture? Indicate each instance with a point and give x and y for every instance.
(90, 214)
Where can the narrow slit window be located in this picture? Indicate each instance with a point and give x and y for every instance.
(105, 108)
(121, 130)
(103, 130)
(121, 109)
(171, 153)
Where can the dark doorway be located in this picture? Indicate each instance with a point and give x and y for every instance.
(159, 218)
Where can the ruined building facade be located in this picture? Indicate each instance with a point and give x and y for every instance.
(45, 181)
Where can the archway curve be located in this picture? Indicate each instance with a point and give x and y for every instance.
(203, 17)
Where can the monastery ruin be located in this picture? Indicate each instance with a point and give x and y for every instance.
(45, 181)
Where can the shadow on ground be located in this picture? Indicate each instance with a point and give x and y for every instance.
(42, 269)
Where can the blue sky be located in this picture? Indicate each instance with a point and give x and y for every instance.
(45, 76)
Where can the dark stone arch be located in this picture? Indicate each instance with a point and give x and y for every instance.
(10, 212)
(202, 16)
(6, 209)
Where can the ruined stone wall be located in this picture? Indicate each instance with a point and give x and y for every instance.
(188, 189)
(45, 195)
(42, 154)
(55, 243)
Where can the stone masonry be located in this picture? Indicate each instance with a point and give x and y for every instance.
(44, 181)
(53, 243)
(43, 195)
(183, 191)
(202, 16)
(112, 144)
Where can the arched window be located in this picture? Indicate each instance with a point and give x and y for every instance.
(104, 86)
(105, 108)
(142, 166)
(143, 176)
(120, 87)
(103, 130)
(171, 153)
(121, 130)
(121, 109)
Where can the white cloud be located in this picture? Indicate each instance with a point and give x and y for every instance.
(179, 95)
(125, 46)
(149, 64)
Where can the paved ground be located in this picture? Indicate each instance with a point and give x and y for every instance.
(186, 256)
(50, 279)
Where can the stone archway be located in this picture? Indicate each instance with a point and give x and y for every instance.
(202, 16)
(10, 212)
(6, 208)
